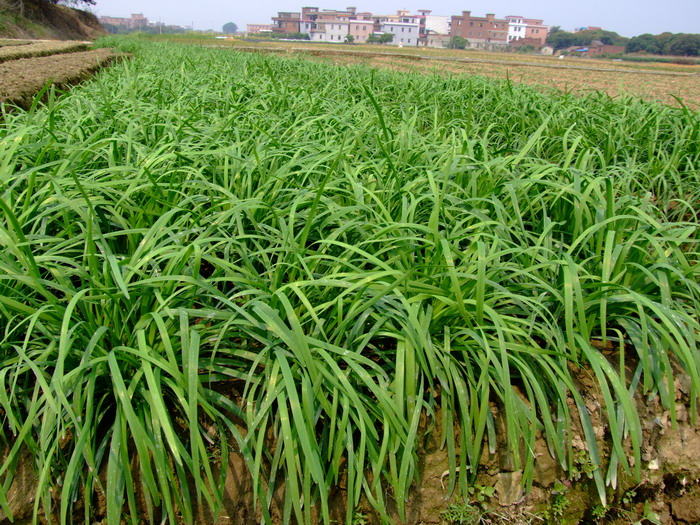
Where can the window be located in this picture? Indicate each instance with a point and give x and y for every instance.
(479, 33)
(471, 33)
(409, 40)
(402, 30)
(357, 28)
(481, 24)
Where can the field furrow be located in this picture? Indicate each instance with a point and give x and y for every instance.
(39, 49)
(22, 78)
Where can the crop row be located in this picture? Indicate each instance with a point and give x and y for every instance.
(354, 250)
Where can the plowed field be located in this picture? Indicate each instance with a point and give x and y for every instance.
(26, 68)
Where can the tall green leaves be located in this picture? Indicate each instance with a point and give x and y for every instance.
(357, 252)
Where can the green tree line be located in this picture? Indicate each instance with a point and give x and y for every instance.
(678, 44)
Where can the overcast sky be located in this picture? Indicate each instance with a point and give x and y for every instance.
(627, 17)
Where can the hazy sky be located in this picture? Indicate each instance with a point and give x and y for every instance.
(627, 17)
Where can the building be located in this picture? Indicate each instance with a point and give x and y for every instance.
(487, 32)
(536, 30)
(438, 25)
(136, 21)
(258, 28)
(335, 31)
(405, 27)
(526, 31)
(286, 22)
(516, 27)
(434, 40)
(360, 30)
(405, 33)
(332, 25)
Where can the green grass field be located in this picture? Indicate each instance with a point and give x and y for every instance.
(353, 249)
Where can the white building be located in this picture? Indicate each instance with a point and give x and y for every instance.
(439, 25)
(334, 32)
(405, 34)
(305, 26)
(517, 27)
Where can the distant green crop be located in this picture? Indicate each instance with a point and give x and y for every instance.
(202, 247)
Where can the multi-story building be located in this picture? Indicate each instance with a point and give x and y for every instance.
(529, 30)
(136, 21)
(482, 32)
(335, 31)
(332, 25)
(404, 26)
(286, 22)
(438, 25)
(536, 31)
(360, 29)
(516, 27)
(405, 33)
(432, 26)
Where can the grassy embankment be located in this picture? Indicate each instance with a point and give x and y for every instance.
(350, 249)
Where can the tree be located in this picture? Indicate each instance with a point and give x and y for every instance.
(386, 38)
(683, 45)
(562, 39)
(230, 28)
(457, 42)
(645, 43)
(349, 39)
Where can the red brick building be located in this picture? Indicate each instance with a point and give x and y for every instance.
(535, 30)
(286, 22)
(488, 29)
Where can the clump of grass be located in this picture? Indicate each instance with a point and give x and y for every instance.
(353, 249)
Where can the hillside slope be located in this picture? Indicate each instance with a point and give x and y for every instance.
(43, 20)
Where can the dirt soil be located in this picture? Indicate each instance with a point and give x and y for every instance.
(39, 48)
(21, 79)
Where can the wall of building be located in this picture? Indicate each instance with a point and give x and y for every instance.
(516, 27)
(256, 28)
(360, 30)
(404, 34)
(485, 29)
(438, 24)
(435, 40)
(536, 30)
